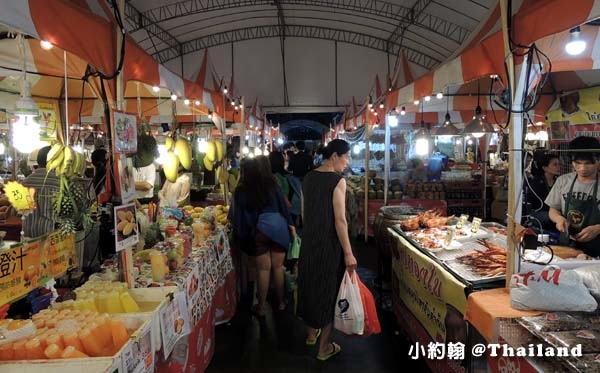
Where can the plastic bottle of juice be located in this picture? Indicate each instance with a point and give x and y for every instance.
(72, 339)
(71, 352)
(53, 352)
(102, 302)
(101, 331)
(55, 338)
(119, 332)
(90, 343)
(34, 349)
(128, 303)
(19, 352)
(6, 352)
(158, 265)
(114, 302)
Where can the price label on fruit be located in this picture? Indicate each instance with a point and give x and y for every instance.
(475, 225)
(19, 196)
(462, 220)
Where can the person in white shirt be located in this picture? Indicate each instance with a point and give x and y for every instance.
(144, 183)
(176, 194)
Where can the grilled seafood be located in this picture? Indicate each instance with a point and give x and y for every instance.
(410, 224)
(426, 219)
(437, 222)
(491, 262)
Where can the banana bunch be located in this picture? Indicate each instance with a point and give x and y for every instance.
(214, 153)
(65, 161)
(178, 152)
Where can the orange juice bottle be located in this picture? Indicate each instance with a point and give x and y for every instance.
(34, 349)
(55, 338)
(101, 330)
(6, 352)
(128, 303)
(119, 333)
(72, 339)
(90, 343)
(19, 352)
(71, 352)
(53, 352)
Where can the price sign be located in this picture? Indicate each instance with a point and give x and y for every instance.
(19, 196)
(449, 236)
(462, 220)
(475, 225)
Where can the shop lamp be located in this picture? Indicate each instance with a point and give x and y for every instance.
(25, 128)
(381, 105)
(245, 149)
(225, 89)
(197, 103)
(155, 89)
(356, 149)
(266, 153)
(46, 45)
(2, 148)
(447, 128)
(174, 97)
(439, 95)
(575, 45)
(257, 152)
(186, 102)
(403, 111)
(251, 155)
(416, 102)
(422, 138)
(427, 98)
(392, 120)
(202, 145)
(280, 141)
(479, 125)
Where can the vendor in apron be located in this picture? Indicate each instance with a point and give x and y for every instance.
(573, 199)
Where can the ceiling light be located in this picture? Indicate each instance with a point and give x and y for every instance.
(257, 151)
(393, 120)
(403, 111)
(422, 141)
(381, 106)
(197, 102)
(186, 101)
(174, 97)
(479, 125)
(427, 98)
(46, 45)
(225, 89)
(356, 149)
(439, 95)
(416, 102)
(575, 45)
(155, 89)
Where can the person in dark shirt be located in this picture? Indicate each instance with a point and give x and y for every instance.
(301, 162)
(544, 171)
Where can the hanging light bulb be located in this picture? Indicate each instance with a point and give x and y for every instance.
(447, 128)
(25, 128)
(403, 111)
(266, 153)
(257, 151)
(422, 138)
(381, 105)
(209, 115)
(202, 145)
(155, 89)
(174, 97)
(2, 148)
(186, 102)
(46, 45)
(575, 45)
(197, 103)
(356, 149)
(225, 89)
(280, 141)
(370, 103)
(479, 125)
(416, 102)
(439, 95)
(393, 120)
(427, 98)
(245, 149)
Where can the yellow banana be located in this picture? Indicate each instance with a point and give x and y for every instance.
(184, 153)
(67, 164)
(219, 150)
(208, 165)
(211, 152)
(55, 157)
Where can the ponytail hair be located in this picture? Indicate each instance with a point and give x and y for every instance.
(338, 146)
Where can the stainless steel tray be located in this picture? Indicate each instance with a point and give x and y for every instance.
(466, 272)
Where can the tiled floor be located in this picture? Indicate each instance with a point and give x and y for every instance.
(275, 343)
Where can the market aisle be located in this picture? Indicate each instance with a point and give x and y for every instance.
(276, 343)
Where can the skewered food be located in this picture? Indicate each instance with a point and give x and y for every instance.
(491, 262)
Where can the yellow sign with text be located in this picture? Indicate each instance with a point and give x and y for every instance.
(19, 196)
(433, 295)
(26, 266)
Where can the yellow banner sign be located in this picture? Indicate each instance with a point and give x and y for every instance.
(26, 266)
(433, 295)
(19, 196)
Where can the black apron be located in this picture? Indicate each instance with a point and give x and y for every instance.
(581, 214)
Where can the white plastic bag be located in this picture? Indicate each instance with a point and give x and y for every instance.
(590, 275)
(550, 289)
(349, 312)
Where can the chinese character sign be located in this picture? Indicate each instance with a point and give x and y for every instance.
(19, 271)
(61, 252)
(20, 197)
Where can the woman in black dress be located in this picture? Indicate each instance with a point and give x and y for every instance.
(544, 171)
(325, 252)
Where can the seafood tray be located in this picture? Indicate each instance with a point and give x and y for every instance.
(495, 229)
(468, 272)
(465, 233)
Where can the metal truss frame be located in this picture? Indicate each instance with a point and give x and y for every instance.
(415, 12)
(137, 20)
(401, 14)
(303, 31)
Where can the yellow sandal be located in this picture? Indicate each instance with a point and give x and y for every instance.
(336, 350)
(312, 342)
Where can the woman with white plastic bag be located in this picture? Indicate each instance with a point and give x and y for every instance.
(349, 312)
(325, 250)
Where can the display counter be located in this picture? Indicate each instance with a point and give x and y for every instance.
(430, 294)
(412, 206)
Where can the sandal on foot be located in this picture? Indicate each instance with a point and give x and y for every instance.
(336, 348)
(312, 342)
